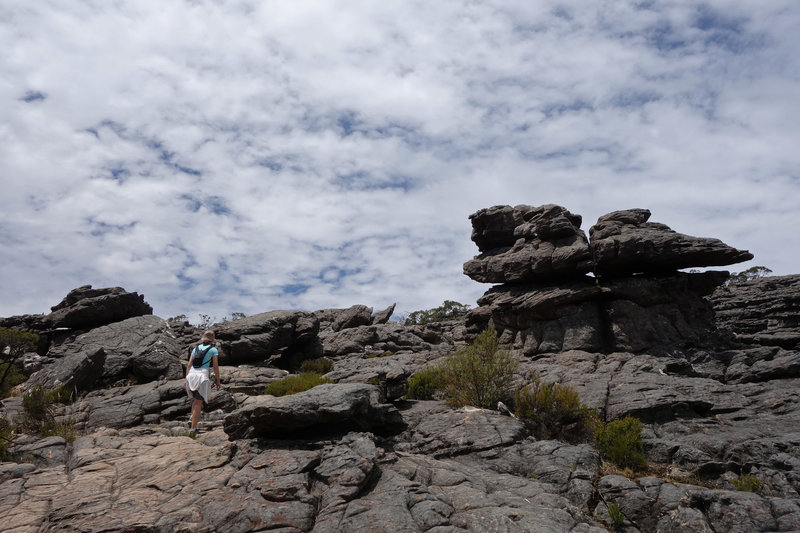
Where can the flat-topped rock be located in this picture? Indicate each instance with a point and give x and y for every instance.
(86, 307)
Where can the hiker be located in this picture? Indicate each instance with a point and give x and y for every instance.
(198, 384)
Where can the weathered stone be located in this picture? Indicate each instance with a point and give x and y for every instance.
(141, 347)
(382, 317)
(281, 338)
(632, 314)
(85, 307)
(762, 311)
(357, 315)
(440, 431)
(527, 244)
(79, 371)
(624, 242)
(322, 408)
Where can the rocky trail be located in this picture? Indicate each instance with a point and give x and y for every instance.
(711, 369)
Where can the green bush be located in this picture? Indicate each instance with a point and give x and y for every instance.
(13, 377)
(295, 383)
(323, 365)
(479, 374)
(425, 384)
(554, 410)
(38, 417)
(6, 435)
(616, 515)
(620, 441)
(746, 483)
(17, 342)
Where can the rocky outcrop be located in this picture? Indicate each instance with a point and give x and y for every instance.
(637, 302)
(624, 242)
(280, 338)
(142, 348)
(85, 307)
(526, 244)
(763, 311)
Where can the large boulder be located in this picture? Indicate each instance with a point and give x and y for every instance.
(281, 338)
(624, 242)
(141, 347)
(324, 408)
(85, 307)
(527, 244)
(79, 371)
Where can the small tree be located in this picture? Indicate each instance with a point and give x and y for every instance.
(16, 343)
(449, 309)
(479, 374)
(749, 274)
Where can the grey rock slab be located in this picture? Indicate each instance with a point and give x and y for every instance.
(142, 347)
(329, 407)
(282, 338)
(440, 431)
(762, 311)
(79, 371)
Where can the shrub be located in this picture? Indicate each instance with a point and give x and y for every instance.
(37, 417)
(620, 442)
(554, 410)
(37, 409)
(322, 365)
(616, 515)
(6, 434)
(479, 374)
(13, 377)
(17, 343)
(425, 384)
(295, 383)
(746, 483)
(449, 309)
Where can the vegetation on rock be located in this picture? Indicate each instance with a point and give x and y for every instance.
(425, 384)
(479, 374)
(321, 365)
(448, 310)
(620, 441)
(16, 343)
(295, 383)
(554, 410)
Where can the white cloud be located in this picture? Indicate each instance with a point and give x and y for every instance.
(232, 156)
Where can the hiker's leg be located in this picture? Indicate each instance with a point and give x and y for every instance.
(197, 406)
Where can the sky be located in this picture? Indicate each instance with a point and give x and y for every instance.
(227, 157)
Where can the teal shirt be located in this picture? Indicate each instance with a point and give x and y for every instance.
(207, 359)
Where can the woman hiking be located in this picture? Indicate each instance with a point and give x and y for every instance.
(198, 384)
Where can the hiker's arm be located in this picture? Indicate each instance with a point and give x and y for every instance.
(216, 369)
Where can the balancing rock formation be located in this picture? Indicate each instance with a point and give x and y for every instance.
(638, 300)
(711, 369)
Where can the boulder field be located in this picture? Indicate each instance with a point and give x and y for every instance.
(711, 368)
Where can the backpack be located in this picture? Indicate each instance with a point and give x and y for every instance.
(197, 362)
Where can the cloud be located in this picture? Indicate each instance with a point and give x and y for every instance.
(235, 156)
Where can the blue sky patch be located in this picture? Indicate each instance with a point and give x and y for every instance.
(33, 96)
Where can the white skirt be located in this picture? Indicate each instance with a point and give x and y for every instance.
(197, 380)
